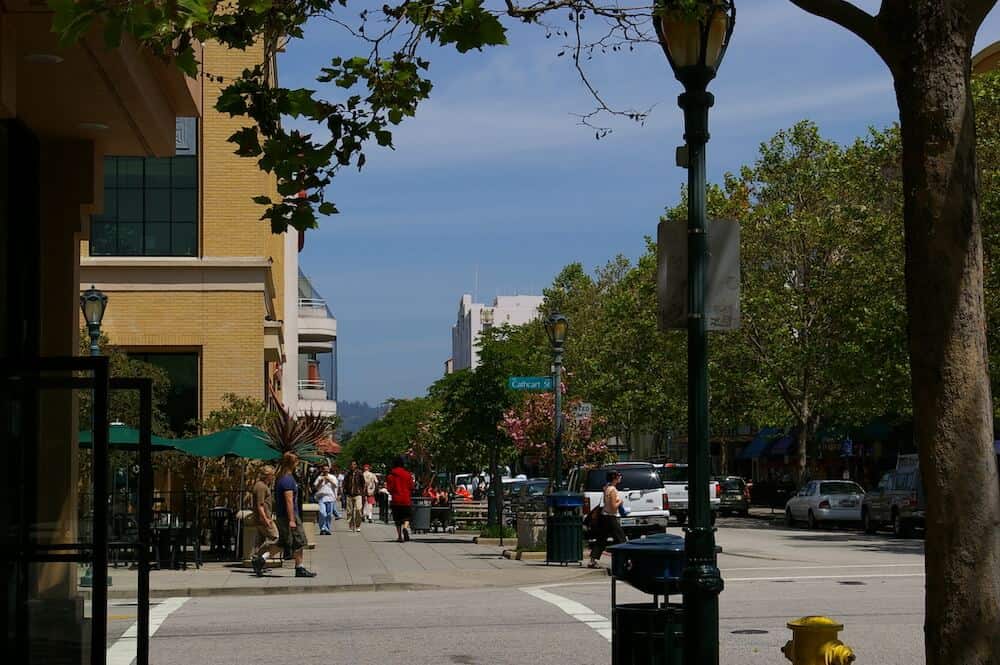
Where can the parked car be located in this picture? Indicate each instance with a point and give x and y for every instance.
(825, 501)
(898, 502)
(641, 491)
(530, 495)
(735, 496)
(675, 479)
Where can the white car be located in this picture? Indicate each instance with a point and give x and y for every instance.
(641, 491)
(821, 501)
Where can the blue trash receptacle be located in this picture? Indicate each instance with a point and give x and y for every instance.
(648, 633)
(564, 528)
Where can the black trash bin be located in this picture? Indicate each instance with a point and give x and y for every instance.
(421, 521)
(648, 633)
(564, 528)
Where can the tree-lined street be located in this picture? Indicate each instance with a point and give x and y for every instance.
(873, 584)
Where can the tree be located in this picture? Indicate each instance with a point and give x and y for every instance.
(390, 436)
(530, 425)
(927, 47)
(821, 279)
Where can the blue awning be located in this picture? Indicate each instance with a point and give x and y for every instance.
(760, 442)
(996, 446)
(782, 446)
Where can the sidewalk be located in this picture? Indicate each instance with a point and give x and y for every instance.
(368, 561)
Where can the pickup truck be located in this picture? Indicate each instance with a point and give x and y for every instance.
(675, 480)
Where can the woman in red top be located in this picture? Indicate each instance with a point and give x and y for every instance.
(399, 482)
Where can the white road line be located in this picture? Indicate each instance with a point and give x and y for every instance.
(817, 577)
(122, 652)
(833, 566)
(579, 611)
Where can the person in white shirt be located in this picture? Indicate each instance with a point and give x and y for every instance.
(325, 492)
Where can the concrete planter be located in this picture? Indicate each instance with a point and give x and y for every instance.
(531, 531)
(310, 521)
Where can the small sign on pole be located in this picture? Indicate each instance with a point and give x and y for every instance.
(583, 411)
(722, 297)
(539, 384)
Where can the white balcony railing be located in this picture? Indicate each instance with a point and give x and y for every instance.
(312, 384)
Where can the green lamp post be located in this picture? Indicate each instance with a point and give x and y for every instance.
(557, 326)
(694, 35)
(93, 303)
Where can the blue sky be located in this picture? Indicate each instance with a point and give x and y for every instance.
(494, 176)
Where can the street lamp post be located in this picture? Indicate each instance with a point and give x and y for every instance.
(557, 326)
(93, 303)
(694, 35)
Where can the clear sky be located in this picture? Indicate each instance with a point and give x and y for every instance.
(495, 178)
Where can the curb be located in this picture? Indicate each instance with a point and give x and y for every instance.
(214, 592)
(519, 555)
(479, 540)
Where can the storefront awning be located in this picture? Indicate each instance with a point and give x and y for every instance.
(782, 446)
(760, 442)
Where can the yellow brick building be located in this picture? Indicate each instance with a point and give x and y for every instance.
(196, 283)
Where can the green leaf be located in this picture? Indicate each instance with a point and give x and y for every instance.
(327, 208)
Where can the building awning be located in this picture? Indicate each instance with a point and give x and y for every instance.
(782, 446)
(760, 442)
(996, 447)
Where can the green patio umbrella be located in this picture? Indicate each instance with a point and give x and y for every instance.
(122, 436)
(242, 441)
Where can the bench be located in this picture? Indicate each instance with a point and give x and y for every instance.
(467, 514)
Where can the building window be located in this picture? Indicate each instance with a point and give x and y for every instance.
(182, 402)
(150, 208)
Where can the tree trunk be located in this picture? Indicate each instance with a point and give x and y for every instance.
(947, 335)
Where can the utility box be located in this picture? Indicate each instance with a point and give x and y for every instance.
(564, 528)
(648, 633)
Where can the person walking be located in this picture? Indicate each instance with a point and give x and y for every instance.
(325, 493)
(399, 482)
(293, 536)
(354, 490)
(608, 525)
(371, 486)
(267, 530)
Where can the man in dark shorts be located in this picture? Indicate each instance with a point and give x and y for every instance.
(290, 531)
(400, 485)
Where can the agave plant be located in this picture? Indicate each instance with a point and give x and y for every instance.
(296, 434)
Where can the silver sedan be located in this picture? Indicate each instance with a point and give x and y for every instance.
(825, 501)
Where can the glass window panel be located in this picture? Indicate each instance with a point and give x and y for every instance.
(157, 239)
(130, 172)
(102, 238)
(110, 205)
(110, 172)
(185, 205)
(157, 205)
(130, 205)
(129, 238)
(158, 172)
(182, 402)
(185, 172)
(185, 240)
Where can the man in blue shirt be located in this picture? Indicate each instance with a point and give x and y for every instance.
(286, 510)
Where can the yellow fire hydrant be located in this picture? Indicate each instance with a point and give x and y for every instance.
(814, 642)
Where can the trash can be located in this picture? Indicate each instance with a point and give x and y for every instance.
(648, 633)
(383, 507)
(564, 528)
(421, 521)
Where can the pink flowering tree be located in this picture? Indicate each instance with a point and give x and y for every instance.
(530, 427)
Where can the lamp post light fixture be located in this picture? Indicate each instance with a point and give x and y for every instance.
(694, 35)
(556, 326)
(93, 303)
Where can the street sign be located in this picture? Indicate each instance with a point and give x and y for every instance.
(531, 383)
(722, 297)
(583, 411)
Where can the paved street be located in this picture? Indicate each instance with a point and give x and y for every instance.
(873, 584)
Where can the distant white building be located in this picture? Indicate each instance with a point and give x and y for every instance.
(473, 318)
